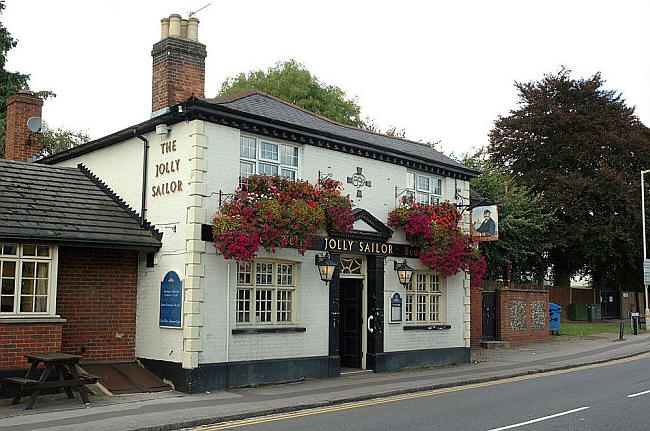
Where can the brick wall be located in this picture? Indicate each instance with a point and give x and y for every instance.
(97, 295)
(19, 141)
(18, 340)
(522, 315)
(476, 316)
(178, 71)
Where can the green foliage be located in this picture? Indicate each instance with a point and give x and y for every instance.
(55, 141)
(580, 148)
(524, 225)
(292, 82)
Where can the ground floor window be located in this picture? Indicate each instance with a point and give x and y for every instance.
(27, 280)
(266, 293)
(424, 299)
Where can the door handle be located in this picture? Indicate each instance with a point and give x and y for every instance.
(369, 319)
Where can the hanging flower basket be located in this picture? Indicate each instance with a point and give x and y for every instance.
(443, 246)
(275, 212)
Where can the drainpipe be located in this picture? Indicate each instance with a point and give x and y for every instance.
(145, 162)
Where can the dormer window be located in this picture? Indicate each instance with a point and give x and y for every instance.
(426, 189)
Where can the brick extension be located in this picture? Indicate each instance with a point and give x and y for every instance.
(96, 294)
(20, 143)
(505, 330)
(178, 71)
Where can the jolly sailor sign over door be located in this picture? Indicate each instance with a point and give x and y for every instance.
(171, 301)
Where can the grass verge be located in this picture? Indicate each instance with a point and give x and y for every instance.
(585, 329)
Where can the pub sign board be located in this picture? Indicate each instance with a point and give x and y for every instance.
(171, 301)
(354, 246)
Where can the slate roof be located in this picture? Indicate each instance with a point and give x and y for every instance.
(264, 105)
(57, 205)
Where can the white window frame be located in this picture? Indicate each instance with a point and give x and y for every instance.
(428, 196)
(434, 286)
(19, 258)
(258, 159)
(253, 287)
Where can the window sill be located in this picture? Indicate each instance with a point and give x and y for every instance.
(436, 327)
(277, 330)
(19, 320)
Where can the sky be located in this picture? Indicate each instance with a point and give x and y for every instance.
(441, 70)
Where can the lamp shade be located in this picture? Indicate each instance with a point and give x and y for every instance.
(404, 272)
(326, 266)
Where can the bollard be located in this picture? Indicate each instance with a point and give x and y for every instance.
(620, 335)
(635, 325)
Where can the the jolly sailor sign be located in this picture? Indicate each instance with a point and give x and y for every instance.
(171, 301)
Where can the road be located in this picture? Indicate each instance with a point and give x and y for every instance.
(613, 396)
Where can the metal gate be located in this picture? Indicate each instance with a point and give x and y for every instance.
(489, 312)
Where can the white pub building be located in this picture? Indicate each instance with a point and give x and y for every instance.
(206, 323)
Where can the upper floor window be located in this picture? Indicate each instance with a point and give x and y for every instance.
(426, 189)
(27, 280)
(266, 293)
(258, 156)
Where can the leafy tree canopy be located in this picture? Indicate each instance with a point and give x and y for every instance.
(580, 148)
(292, 82)
(11, 83)
(524, 224)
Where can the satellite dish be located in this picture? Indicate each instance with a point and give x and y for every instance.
(37, 125)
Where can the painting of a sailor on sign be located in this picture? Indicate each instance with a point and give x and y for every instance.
(484, 224)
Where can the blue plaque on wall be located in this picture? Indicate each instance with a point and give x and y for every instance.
(396, 308)
(171, 301)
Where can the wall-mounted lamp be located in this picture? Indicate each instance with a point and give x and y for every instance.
(326, 266)
(404, 272)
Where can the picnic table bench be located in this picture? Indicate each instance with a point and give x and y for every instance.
(64, 365)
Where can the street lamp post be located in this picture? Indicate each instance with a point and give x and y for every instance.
(647, 311)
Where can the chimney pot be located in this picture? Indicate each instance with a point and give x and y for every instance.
(164, 25)
(178, 64)
(193, 29)
(175, 25)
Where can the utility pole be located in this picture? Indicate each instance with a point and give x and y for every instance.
(647, 311)
(508, 268)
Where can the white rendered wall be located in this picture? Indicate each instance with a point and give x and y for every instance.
(220, 345)
(120, 167)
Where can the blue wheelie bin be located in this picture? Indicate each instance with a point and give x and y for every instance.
(554, 311)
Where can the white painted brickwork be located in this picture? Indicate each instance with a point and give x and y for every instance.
(210, 162)
(120, 167)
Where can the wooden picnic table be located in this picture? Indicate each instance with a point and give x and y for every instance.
(64, 365)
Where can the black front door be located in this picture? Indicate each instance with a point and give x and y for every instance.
(351, 322)
(489, 312)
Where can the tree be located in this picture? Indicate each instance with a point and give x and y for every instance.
(524, 224)
(11, 83)
(292, 82)
(581, 148)
(57, 140)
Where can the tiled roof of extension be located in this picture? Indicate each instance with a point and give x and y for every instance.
(264, 105)
(59, 205)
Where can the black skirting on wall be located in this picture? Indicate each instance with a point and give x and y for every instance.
(401, 360)
(210, 377)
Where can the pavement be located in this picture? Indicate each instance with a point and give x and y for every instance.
(175, 410)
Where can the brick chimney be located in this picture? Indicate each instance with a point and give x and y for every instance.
(178, 63)
(20, 142)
